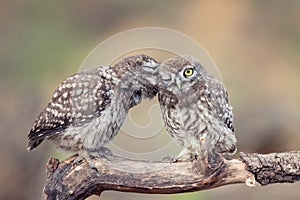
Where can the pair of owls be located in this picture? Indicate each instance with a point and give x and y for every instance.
(88, 108)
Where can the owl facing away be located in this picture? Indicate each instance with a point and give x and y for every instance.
(195, 110)
(87, 109)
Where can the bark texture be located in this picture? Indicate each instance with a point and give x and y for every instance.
(274, 167)
(68, 181)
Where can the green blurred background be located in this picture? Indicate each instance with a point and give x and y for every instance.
(255, 44)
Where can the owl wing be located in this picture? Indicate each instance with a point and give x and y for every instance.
(215, 97)
(78, 99)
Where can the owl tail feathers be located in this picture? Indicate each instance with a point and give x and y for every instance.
(227, 145)
(33, 144)
(232, 150)
(37, 137)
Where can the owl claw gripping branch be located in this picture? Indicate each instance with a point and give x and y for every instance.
(196, 111)
(88, 108)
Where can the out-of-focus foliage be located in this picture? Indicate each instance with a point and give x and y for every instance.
(255, 44)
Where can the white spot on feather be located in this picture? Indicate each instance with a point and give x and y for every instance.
(65, 95)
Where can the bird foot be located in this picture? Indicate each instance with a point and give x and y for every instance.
(85, 155)
(187, 154)
(102, 152)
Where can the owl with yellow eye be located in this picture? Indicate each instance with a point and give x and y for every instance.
(196, 110)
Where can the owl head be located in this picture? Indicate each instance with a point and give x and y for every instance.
(140, 74)
(179, 74)
(139, 67)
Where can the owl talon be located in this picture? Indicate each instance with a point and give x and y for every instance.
(94, 168)
(187, 155)
(193, 156)
(183, 160)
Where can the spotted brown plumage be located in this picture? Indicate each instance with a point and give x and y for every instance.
(87, 109)
(195, 108)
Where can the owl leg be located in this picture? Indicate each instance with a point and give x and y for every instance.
(85, 155)
(184, 153)
(88, 154)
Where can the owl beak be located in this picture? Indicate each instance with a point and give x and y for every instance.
(178, 83)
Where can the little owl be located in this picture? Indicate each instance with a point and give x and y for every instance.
(87, 109)
(196, 111)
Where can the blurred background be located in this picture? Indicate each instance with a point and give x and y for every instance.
(255, 44)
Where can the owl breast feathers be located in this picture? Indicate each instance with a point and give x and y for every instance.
(195, 107)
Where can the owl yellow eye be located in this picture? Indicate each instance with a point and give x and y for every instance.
(188, 72)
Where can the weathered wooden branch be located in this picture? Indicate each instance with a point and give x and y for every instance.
(274, 167)
(68, 181)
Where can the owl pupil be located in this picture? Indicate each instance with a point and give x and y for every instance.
(188, 72)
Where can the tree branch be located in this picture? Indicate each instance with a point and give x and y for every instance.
(68, 181)
(274, 167)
